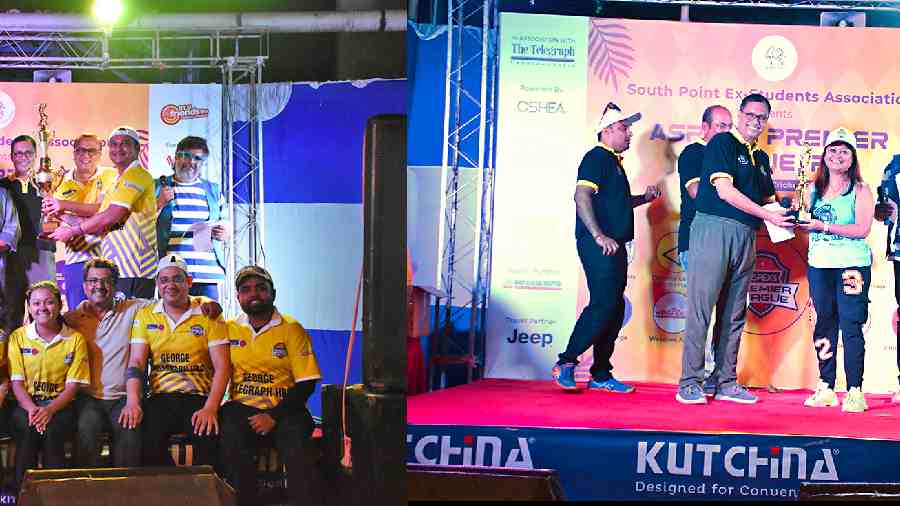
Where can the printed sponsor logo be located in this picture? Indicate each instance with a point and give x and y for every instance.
(155, 326)
(7, 109)
(667, 253)
(775, 462)
(770, 285)
(670, 312)
(543, 339)
(279, 350)
(240, 343)
(542, 49)
(31, 352)
(69, 358)
(540, 107)
(774, 58)
(197, 330)
(481, 451)
(171, 114)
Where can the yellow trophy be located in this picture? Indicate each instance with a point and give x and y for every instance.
(799, 205)
(42, 176)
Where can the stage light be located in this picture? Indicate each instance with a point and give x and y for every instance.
(108, 11)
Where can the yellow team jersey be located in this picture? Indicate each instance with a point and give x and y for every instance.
(84, 248)
(179, 351)
(46, 368)
(267, 363)
(133, 246)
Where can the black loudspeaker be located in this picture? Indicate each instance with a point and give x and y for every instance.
(849, 491)
(138, 486)
(384, 255)
(457, 483)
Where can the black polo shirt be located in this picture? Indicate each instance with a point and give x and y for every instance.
(690, 166)
(751, 174)
(27, 200)
(602, 170)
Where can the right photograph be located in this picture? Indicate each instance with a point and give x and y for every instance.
(663, 234)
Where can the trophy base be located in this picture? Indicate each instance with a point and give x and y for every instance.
(47, 228)
(798, 221)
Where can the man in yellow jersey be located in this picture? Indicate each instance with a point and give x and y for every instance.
(190, 369)
(78, 197)
(127, 218)
(275, 372)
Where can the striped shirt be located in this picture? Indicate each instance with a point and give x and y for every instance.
(84, 248)
(132, 247)
(191, 207)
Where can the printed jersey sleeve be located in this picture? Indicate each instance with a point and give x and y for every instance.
(139, 325)
(719, 157)
(130, 188)
(592, 171)
(14, 352)
(218, 333)
(303, 361)
(79, 370)
(690, 165)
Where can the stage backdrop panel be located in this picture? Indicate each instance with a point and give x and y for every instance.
(557, 74)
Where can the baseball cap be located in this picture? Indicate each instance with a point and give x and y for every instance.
(126, 131)
(613, 114)
(171, 261)
(252, 270)
(841, 134)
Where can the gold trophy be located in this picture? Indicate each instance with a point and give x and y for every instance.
(42, 176)
(799, 206)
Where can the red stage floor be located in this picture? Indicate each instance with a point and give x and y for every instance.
(515, 403)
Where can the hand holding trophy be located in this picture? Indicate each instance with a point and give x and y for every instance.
(42, 176)
(799, 204)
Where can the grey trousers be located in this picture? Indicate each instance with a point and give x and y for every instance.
(722, 257)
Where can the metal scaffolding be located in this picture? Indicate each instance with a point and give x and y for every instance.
(468, 145)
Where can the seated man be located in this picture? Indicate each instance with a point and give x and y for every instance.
(275, 372)
(189, 372)
(185, 199)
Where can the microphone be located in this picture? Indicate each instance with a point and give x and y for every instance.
(881, 190)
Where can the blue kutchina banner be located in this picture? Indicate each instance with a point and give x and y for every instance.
(619, 464)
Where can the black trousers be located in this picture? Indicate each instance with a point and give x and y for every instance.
(239, 446)
(99, 415)
(137, 287)
(168, 414)
(601, 319)
(29, 442)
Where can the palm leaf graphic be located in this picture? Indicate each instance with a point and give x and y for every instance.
(610, 53)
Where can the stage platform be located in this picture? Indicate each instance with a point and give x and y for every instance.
(645, 445)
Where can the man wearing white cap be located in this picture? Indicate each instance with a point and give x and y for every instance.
(190, 368)
(736, 181)
(604, 223)
(127, 218)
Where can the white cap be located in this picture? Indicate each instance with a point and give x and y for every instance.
(613, 114)
(171, 260)
(841, 134)
(126, 131)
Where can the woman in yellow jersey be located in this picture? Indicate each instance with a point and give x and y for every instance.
(47, 361)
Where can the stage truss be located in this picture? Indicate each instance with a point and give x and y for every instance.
(240, 55)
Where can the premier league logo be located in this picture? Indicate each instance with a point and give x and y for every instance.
(279, 350)
(770, 286)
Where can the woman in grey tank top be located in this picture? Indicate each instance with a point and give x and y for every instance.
(839, 270)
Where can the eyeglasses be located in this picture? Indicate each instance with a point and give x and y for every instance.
(174, 279)
(98, 281)
(762, 118)
(85, 151)
(190, 156)
(23, 154)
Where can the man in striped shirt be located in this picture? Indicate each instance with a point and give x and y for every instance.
(186, 202)
(126, 218)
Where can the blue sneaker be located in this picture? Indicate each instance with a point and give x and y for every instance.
(735, 393)
(710, 386)
(690, 394)
(610, 385)
(564, 374)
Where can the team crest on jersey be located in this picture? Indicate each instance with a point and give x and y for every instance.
(279, 350)
(197, 330)
(743, 160)
(69, 358)
(154, 326)
(30, 351)
(68, 192)
(240, 343)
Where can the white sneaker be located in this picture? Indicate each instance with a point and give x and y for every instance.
(854, 401)
(822, 397)
(896, 397)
